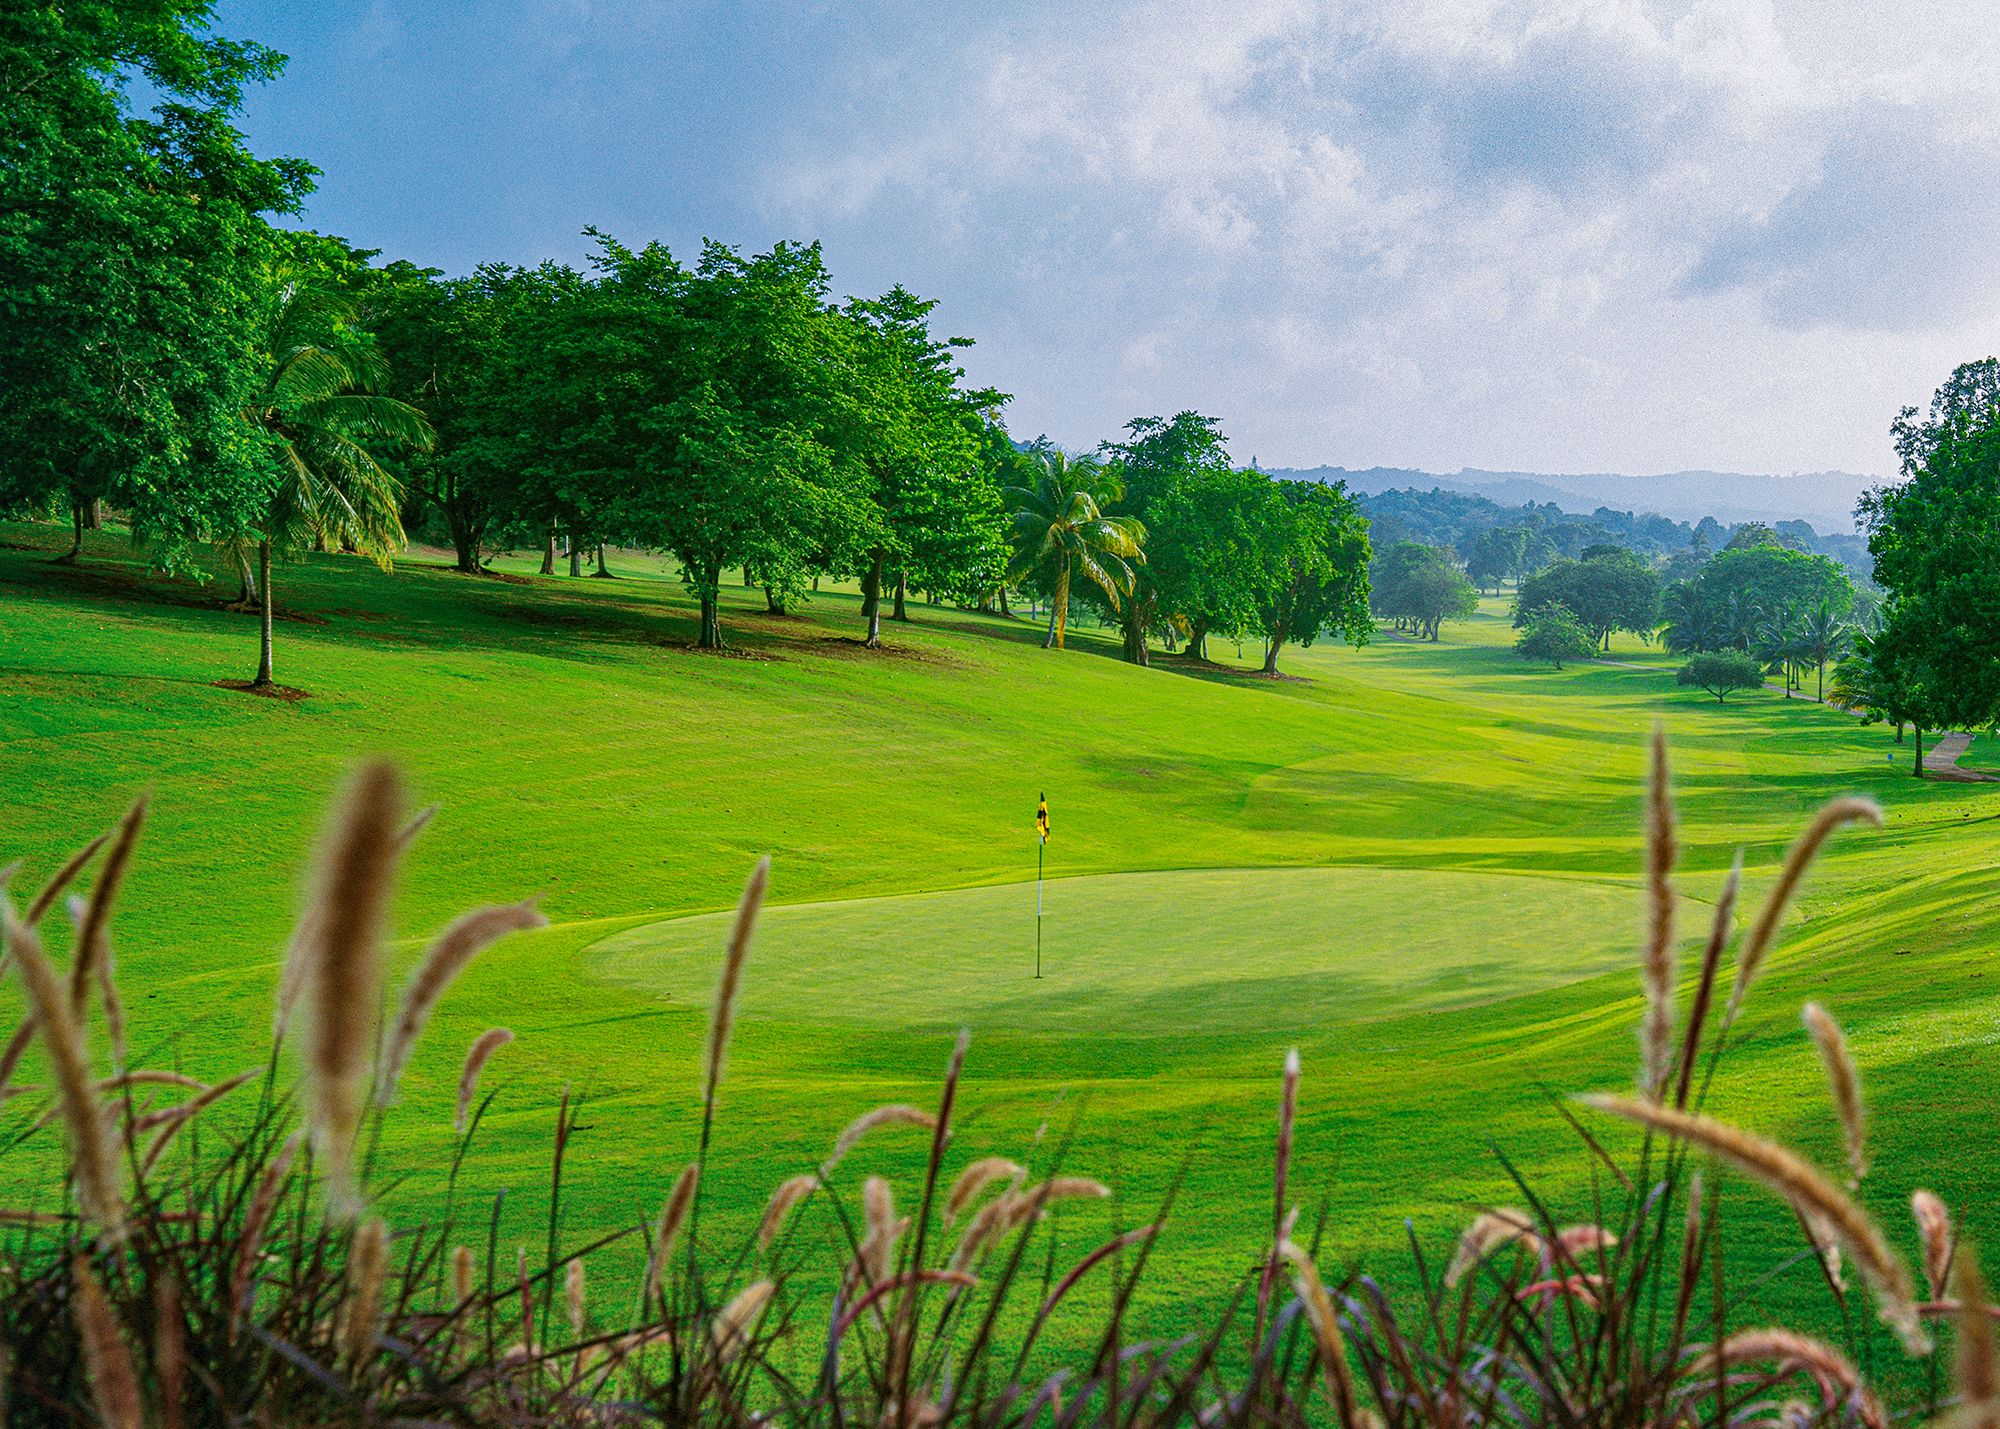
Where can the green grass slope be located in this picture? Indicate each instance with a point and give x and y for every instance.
(1416, 862)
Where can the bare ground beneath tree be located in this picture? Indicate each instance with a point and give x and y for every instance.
(290, 694)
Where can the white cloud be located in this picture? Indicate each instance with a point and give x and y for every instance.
(1573, 234)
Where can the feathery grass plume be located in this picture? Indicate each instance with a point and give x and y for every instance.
(107, 1361)
(875, 1257)
(897, 1114)
(1325, 1325)
(1014, 1209)
(293, 970)
(361, 1306)
(573, 1296)
(1720, 929)
(256, 1220)
(1976, 1358)
(974, 1179)
(1490, 1231)
(92, 944)
(780, 1205)
(1825, 1241)
(1794, 1353)
(1934, 1227)
(722, 1019)
(730, 1332)
(458, 945)
(92, 1157)
(1843, 1079)
(1804, 1187)
(63, 878)
(106, 975)
(1832, 815)
(476, 1056)
(461, 1275)
(169, 1352)
(343, 979)
(1656, 1030)
(673, 1215)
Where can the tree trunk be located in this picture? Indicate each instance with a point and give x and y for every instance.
(902, 594)
(575, 556)
(1917, 764)
(1197, 646)
(772, 605)
(1273, 643)
(603, 572)
(549, 551)
(871, 601)
(75, 551)
(263, 680)
(1004, 611)
(1135, 635)
(711, 617)
(1058, 611)
(93, 514)
(1899, 731)
(247, 581)
(464, 544)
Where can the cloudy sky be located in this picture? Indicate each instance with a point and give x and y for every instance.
(1581, 235)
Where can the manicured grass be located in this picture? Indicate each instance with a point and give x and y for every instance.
(1195, 954)
(1440, 841)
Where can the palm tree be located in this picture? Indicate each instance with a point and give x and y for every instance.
(1060, 526)
(319, 414)
(1823, 636)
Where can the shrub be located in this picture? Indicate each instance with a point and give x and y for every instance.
(1722, 673)
(249, 1276)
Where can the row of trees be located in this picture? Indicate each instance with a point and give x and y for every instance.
(1177, 543)
(172, 354)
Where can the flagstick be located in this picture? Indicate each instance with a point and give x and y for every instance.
(1041, 846)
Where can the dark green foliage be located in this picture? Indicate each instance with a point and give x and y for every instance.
(1609, 589)
(1934, 539)
(1317, 541)
(1419, 587)
(1550, 633)
(133, 260)
(1722, 673)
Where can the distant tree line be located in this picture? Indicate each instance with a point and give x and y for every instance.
(1525, 538)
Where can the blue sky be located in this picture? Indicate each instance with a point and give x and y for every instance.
(1559, 235)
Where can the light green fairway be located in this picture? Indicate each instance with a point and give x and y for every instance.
(1211, 952)
(1440, 842)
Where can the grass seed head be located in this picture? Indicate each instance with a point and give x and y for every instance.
(1807, 1190)
(361, 1306)
(476, 1057)
(92, 1156)
(1656, 1030)
(1843, 1080)
(343, 971)
(780, 1206)
(107, 1360)
(1832, 815)
(974, 1179)
(1934, 1228)
(457, 946)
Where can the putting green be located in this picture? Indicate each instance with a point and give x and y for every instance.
(1180, 953)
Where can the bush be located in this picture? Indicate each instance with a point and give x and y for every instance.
(248, 1275)
(1722, 673)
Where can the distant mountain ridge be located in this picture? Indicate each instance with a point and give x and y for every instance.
(1824, 498)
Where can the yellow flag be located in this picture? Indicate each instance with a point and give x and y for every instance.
(1042, 819)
